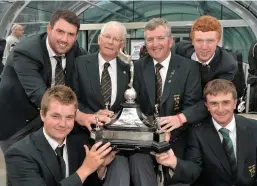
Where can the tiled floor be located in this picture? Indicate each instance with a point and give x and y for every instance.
(2, 170)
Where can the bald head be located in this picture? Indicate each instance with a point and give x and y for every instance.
(17, 30)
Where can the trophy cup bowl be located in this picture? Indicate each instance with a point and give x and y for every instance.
(129, 128)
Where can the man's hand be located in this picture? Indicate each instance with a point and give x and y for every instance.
(95, 157)
(109, 158)
(169, 123)
(167, 159)
(105, 112)
(87, 119)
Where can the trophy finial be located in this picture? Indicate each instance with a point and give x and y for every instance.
(130, 94)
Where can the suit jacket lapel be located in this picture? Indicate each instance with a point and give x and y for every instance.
(47, 73)
(214, 142)
(149, 76)
(242, 137)
(69, 66)
(48, 154)
(93, 75)
(71, 157)
(121, 82)
(171, 77)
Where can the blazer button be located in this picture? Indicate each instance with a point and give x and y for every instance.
(27, 120)
(38, 108)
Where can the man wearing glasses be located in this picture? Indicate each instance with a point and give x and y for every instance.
(216, 62)
(100, 80)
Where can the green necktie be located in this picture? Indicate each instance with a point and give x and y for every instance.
(229, 150)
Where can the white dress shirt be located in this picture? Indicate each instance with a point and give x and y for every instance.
(232, 131)
(53, 61)
(195, 58)
(54, 145)
(164, 69)
(113, 74)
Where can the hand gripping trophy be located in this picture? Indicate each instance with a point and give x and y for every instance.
(130, 129)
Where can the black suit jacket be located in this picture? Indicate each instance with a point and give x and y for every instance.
(32, 161)
(2, 47)
(26, 76)
(86, 83)
(182, 90)
(222, 66)
(205, 154)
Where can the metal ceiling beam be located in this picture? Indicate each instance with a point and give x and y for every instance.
(126, 7)
(110, 11)
(249, 18)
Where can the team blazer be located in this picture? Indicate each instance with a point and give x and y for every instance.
(26, 76)
(32, 161)
(182, 90)
(86, 83)
(206, 156)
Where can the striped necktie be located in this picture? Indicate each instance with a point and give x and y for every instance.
(59, 72)
(229, 150)
(158, 85)
(106, 84)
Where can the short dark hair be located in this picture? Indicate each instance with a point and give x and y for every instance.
(217, 86)
(62, 94)
(67, 15)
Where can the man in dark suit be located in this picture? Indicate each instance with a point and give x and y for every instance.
(222, 148)
(2, 47)
(215, 62)
(180, 82)
(50, 156)
(89, 84)
(169, 81)
(89, 73)
(36, 64)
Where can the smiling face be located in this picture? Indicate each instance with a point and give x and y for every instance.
(111, 41)
(221, 106)
(205, 44)
(58, 120)
(61, 36)
(158, 43)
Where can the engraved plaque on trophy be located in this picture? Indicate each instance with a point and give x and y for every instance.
(130, 129)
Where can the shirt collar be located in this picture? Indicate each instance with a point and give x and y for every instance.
(164, 63)
(102, 61)
(231, 126)
(52, 142)
(194, 57)
(50, 50)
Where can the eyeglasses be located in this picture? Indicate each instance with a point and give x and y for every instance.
(114, 39)
(157, 39)
(208, 41)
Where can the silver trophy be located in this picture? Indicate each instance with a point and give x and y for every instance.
(130, 129)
